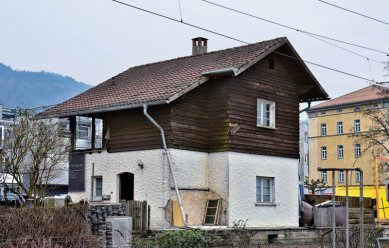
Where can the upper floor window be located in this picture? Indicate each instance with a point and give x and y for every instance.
(323, 129)
(357, 126)
(341, 176)
(323, 112)
(266, 113)
(357, 150)
(323, 152)
(339, 127)
(339, 110)
(357, 109)
(340, 152)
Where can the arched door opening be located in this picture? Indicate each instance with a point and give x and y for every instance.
(126, 186)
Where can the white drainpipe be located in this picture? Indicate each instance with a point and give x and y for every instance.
(168, 161)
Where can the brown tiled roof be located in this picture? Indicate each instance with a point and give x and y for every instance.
(367, 94)
(162, 81)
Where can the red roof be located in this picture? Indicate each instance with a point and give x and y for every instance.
(163, 82)
(367, 94)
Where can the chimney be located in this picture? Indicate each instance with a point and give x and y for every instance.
(199, 45)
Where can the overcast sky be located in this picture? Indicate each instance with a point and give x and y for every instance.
(93, 40)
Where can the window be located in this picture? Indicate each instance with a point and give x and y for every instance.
(357, 176)
(339, 127)
(357, 126)
(323, 152)
(323, 129)
(324, 176)
(339, 110)
(340, 152)
(265, 113)
(323, 112)
(357, 109)
(341, 176)
(98, 182)
(357, 150)
(265, 189)
(272, 64)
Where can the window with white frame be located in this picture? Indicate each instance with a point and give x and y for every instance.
(323, 129)
(340, 152)
(265, 189)
(339, 127)
(341, 176)
(357, 176)
(323, 152)
(266, 113)
(357, 150)
(324, 176)
(98, 189)
(357, 126)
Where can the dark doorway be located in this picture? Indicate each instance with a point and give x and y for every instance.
(126, 186)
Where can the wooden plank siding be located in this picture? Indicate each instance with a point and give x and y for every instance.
(130, 130)
(273, 85)
(201, 119)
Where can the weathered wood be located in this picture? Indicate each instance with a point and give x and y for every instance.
(139, 211)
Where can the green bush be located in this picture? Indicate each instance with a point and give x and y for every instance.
(177, 239)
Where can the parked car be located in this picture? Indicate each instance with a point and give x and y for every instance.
(12, 199)
(328, 204)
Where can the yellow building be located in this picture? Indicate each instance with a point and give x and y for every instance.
(332, 143)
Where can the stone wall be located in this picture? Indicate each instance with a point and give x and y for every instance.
(97, 214)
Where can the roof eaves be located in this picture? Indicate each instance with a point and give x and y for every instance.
(104, 109)
(343, 105)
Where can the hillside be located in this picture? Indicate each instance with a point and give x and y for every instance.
(33, 89)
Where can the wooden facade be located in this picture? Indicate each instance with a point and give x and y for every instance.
(201, 120)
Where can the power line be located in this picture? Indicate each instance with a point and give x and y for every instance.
(354, 12)
(326, 67)
(179, 21)
(296, 29)
(235, 39)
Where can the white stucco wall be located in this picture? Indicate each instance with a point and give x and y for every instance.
(191, 169)
(230, 175)
(243, 170)
(150, 183)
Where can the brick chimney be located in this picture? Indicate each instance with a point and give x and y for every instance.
(199, 45)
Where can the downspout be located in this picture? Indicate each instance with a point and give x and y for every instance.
(168, 161)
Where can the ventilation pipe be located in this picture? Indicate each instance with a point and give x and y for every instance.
(169, 161)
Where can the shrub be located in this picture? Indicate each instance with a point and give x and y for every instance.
(46, 227)
(178, 239)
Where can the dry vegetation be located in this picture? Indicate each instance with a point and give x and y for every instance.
(45, 228)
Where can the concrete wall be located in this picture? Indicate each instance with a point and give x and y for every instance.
(201, 176)
(243, 170)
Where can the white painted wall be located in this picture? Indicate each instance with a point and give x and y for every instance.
(150, 183)
(191, 169)
(243, 170)
(230, 175)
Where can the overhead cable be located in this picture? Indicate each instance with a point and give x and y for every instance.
(354, 12)
(296, 29)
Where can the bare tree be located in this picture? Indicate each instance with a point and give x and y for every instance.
(315, 185)
(32, 154)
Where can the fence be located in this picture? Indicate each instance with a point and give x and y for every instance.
(353, 201)
(140, 213)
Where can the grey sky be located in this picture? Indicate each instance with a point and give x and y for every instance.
(93, 40)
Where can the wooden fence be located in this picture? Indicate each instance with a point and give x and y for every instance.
(140, 213)
(353, 201)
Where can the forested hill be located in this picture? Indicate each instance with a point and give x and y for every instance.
(32, 89)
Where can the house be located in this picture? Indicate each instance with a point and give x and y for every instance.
(332, 142)
(211, 138)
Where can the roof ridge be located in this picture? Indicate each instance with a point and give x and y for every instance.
(199, 55)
